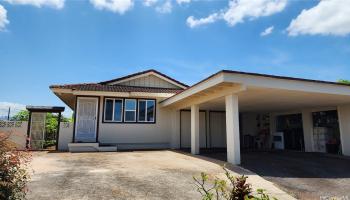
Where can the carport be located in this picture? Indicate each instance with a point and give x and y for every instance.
(240, 96)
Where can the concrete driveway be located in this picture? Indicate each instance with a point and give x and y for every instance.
(127, 175)
(304, 175)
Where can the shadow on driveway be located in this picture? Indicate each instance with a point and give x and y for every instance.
(304, 175)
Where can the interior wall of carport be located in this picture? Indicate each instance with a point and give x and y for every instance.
(307, 121)
(213, 127)
(212, 130)
(215, 130)
(344, 127)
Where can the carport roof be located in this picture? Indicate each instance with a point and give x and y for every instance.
(229, 81)
(281, 77)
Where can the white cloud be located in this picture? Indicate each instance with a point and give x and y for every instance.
(3, 18)
(192, 22)
(149, 3)
(183, 1)
(57, 4)
(117, 6)
(165, 7)
(15, 108)
(241, 10)
(328, 17)
(267, 31)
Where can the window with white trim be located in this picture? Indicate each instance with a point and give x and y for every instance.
(113, 110)
(130, 110)
(146, 110)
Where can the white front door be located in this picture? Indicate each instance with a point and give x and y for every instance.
(86, 119)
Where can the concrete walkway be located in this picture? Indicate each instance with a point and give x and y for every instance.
(127, 175)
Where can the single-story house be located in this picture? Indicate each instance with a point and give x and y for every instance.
(229, 110)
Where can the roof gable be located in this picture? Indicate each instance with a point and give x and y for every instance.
(149, 78)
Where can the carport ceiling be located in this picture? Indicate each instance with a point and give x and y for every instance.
(274, 100)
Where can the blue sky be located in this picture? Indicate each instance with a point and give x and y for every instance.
(44, 42)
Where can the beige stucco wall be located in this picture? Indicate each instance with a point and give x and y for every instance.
(217, 121)
(135, 135)
(344, 125)
(65, 135)
(17, 132)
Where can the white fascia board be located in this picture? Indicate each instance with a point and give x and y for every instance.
(294, 85)
(116, 94)
(123, 94)
(100, 93)
(217, 79)
(143, 94)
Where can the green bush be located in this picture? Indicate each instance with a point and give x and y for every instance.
(13, 170)
(234, 188)
(49, 143)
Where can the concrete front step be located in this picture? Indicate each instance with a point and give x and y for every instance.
(107, 148)
(90, 147)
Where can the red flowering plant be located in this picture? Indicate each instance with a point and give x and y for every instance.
(14, 165)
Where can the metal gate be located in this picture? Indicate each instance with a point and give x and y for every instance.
(37, 131)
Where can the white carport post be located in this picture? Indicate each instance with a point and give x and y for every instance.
(308, 130)
(344, 126)
(232, 129)
(195, 129)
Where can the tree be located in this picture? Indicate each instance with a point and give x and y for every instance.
(344, 81)
(22, 115)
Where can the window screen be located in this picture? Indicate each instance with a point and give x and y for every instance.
(130, 110)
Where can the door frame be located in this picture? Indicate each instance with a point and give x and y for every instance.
(97, 117)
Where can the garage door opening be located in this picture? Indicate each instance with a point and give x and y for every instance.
(264, 131)
(291, 127)
(326, 134)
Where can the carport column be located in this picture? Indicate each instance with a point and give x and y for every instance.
(344, 127)
(194, 129)
(232, 130)
(308, 130)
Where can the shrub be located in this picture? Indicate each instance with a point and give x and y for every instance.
(49, 143)
(234, 188)
(13, 170)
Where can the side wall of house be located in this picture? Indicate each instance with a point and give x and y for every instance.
(136, 135)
